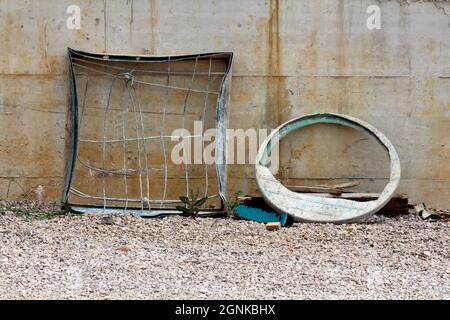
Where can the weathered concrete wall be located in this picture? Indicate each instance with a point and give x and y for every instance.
(291, 58)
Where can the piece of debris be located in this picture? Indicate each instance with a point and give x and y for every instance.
(39, 191)
(272, 226)
(124, 249)
(109, 220)
(242, 199)
(422, 211)
(431, 214)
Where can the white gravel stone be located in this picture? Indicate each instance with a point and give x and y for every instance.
(69, 257)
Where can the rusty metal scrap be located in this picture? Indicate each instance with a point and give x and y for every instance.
(313, 208)
(128, 101)
(431, 214)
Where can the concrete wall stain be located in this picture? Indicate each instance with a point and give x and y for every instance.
(154, 25)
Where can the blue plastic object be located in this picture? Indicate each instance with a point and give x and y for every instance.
(253, 213)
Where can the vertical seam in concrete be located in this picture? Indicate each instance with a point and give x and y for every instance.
(104, 18)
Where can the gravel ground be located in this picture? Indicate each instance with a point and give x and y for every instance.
(68, 257)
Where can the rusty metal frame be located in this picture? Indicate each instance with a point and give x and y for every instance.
(221, 120)
(310, 208)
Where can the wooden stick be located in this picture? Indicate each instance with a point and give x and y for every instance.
(335, 189)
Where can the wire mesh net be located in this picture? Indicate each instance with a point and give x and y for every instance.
(129, 114)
